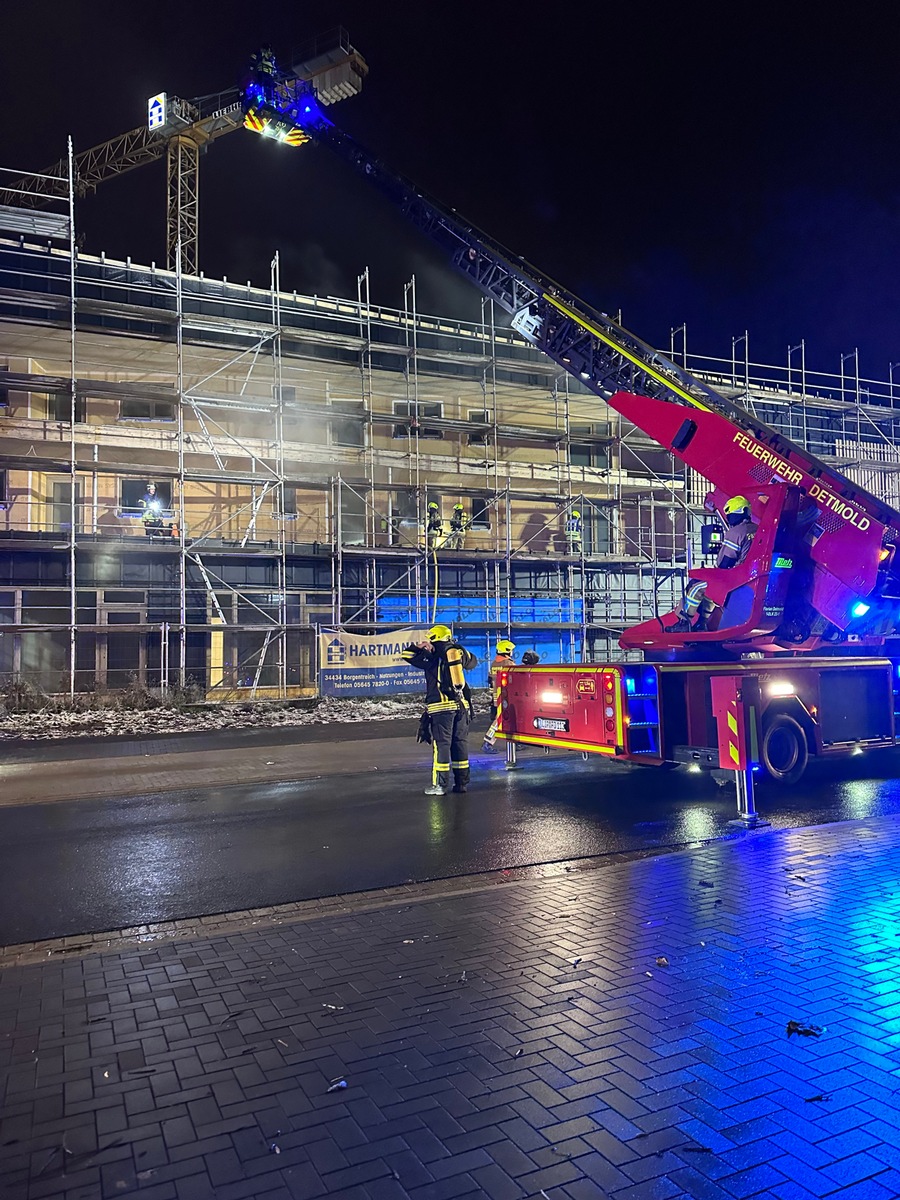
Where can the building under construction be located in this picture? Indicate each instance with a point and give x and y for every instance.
(296, 445)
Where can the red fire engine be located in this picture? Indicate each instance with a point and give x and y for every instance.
(769, 682)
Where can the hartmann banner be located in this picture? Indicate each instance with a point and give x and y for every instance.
(354, 664)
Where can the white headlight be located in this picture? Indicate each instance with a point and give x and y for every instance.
(552, 697)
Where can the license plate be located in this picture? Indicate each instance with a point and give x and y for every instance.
(557, 724)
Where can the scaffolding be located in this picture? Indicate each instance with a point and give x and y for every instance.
(297, 442)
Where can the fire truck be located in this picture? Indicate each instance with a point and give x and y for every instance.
(788, 666)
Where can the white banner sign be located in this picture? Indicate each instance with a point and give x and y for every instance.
(355, 664)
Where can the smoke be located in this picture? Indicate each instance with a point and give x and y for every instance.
(305, 266)
(315, 271)
(439, 290)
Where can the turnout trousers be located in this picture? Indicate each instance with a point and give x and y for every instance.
(695, 598)
(450, 734)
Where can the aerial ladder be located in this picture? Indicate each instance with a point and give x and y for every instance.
(181, 131)
(823, 571)
(786, 667)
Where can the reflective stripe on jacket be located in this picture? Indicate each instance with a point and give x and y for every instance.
(735, 544)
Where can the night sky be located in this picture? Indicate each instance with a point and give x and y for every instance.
(731, 166)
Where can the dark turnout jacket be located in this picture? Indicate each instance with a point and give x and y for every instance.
(735, 544)
(445, 682)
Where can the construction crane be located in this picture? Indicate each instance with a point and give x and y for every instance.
(180, 130)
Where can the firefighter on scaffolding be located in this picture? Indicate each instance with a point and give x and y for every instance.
(434, 526)
(459, 523)
(573, 533)
(152, 507)
(735, 547)
(448, 706)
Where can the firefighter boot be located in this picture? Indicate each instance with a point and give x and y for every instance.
(441, 785)
(461, 779)
(682, 625)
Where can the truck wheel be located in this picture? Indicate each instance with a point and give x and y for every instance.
(784, 751)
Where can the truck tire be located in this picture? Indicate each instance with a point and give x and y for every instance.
(784, 751)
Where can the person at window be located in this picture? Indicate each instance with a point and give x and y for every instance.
(152, 507)
(695, 608)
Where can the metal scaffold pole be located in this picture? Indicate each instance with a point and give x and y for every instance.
(363, 300)
(329, 533)
(73, 413)
(508, 520)
(339, 550)
(182, 533)
(282, 648)
(412, 381)
(804, 432)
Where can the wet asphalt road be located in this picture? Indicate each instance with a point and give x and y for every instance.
(91, 865)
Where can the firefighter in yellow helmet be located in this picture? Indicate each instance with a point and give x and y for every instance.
(434, 525)
(448, 705)
(459, 523)
(738, 535)
(503, 658)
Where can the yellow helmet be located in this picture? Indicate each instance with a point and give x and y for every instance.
(439, 633)
(432, 504)
(736, 504)
(576, 513)
(460, 507)
(504, 646)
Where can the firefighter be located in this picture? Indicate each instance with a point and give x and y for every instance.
(448, 705)
(735, 547)
(503, 658)
(434, 525)
(573, 533)
(262, 65)
(153, 508)
(458, 526)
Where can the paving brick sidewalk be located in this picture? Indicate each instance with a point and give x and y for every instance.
(517, 1040)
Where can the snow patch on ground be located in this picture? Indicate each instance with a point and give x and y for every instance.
(45, 726)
